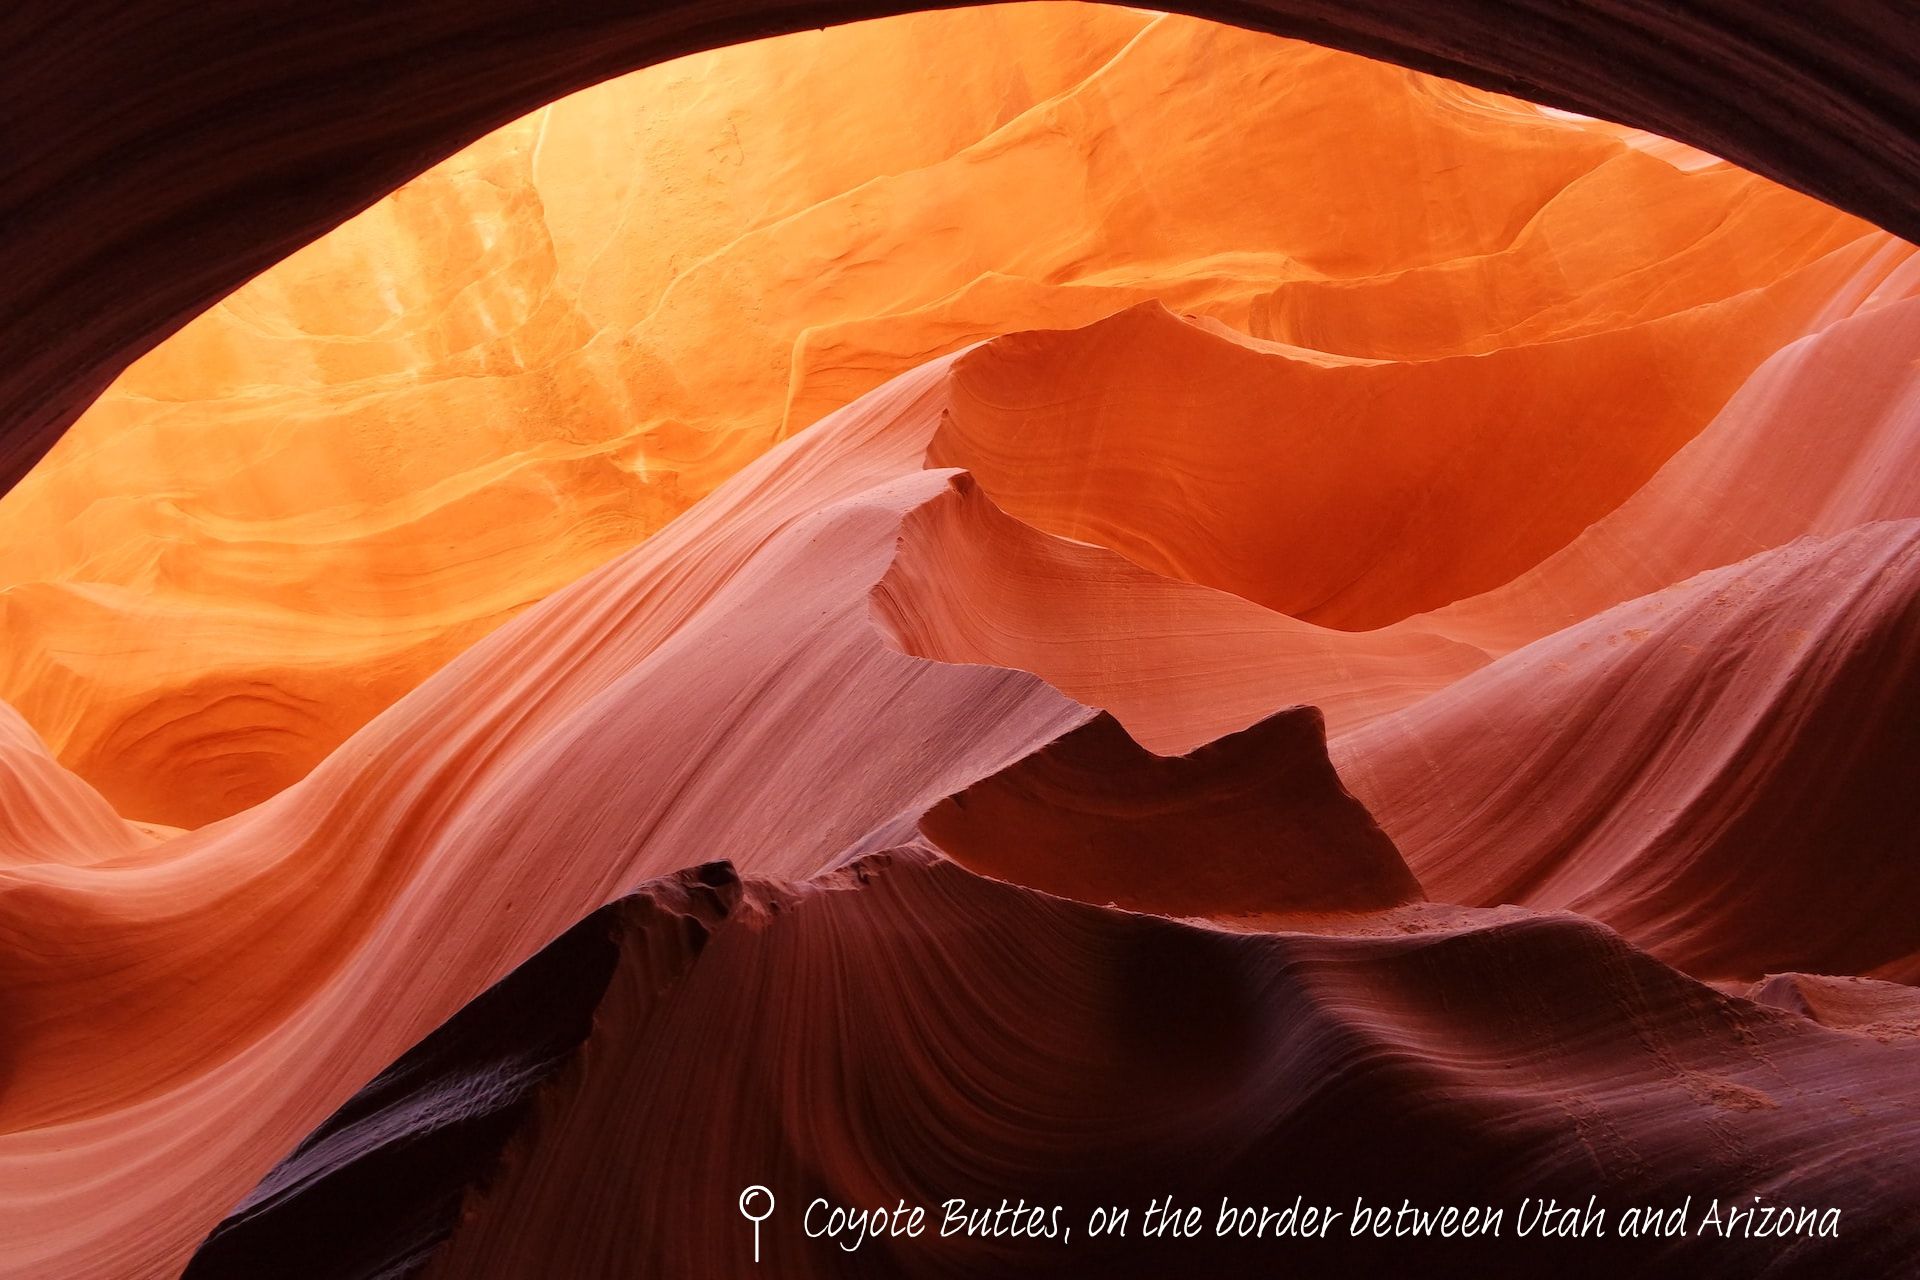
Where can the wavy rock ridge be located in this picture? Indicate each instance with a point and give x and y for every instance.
(534, 356)
(1240, 1060)
(1189, 690)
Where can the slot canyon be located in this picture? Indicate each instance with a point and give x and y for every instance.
(1043, 603)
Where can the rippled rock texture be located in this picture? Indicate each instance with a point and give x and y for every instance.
(1187, 613)
(537, 354)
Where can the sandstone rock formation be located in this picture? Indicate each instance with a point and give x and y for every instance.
(533, 356)
(1191, 613)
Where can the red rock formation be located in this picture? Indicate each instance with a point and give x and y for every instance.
(904, 1031)
(150, 183)
(1723, 770)
(1253, 824)
(1816, 442)
(1885, 1010)
(592, 744)
(1177, 663)
(378, 1187)
(1351, 493)
(587, 320)
(1565, 467)
(46, 814)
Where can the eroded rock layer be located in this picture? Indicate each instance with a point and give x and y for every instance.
(1253, 1064)
(535, 355)
(173, 156)
(1255, 823)
(691, 646)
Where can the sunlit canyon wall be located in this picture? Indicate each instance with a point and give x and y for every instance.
(1045, 601)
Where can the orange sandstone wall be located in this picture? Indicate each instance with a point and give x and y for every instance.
(536, 354)
(1237, 613)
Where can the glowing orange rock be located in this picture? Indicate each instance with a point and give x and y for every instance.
(536, 354)
(721, 685)
(1360, 455)
(1177, 663)
(1348, 492)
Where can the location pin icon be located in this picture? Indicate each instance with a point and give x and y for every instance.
(756, 1205)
